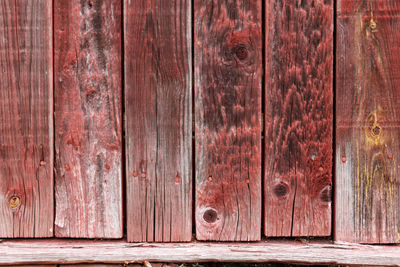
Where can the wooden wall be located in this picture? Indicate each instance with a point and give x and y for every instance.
(228, 120)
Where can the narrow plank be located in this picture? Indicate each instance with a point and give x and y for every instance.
(151, 264)
(298, 117)
(91, 265)
(26, 124)
(158, 120)
(228, 63)
(367, 207)
(113, 252)
(88, 164)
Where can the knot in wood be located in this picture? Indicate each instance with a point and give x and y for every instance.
(281, 189)
(372, 25)
(241, 52)
(14, 201)
(210, 215)
(376, 130)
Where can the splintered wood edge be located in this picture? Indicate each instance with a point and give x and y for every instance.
(56, 251)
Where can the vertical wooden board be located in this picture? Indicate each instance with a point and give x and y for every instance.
(158, 118)
(26, 124)
(367, 202)
(298, 117)
(88, 80)
(228, 63)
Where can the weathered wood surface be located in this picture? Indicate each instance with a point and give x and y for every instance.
(367, 207)
(298, 117)
(26, 123)
(88, 142)
(91, 265)
(117, 252)
(228, 64)
(158, 119)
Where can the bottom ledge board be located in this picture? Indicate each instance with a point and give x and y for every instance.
(67, 251)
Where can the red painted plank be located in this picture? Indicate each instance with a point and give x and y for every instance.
(88, 144)
(228, 63)
(26, 124)
(158, 120)
(298, 117)
(367, 207)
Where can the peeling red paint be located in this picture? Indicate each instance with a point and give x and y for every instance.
(228, 119)
(298, 117)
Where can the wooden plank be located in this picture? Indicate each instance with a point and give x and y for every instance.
(367, 189)
(151, 264)
(298, 117)
(158, 119)
(117, 252)
(91, 265)
(228, 63)
(26, 124)
(88, 142)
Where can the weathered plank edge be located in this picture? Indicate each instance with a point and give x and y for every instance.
(56, 251)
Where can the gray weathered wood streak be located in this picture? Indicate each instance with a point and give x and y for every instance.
(88, 119)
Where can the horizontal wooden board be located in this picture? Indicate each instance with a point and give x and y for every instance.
(26, 119)
(117, 252)
(92, 265)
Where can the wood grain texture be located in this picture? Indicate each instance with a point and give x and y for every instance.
(113, 252)
(298, 117)
(228, 63)
(91, 265)
(158, 118)
(88, 71)
(26, 123)
(367, 189)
